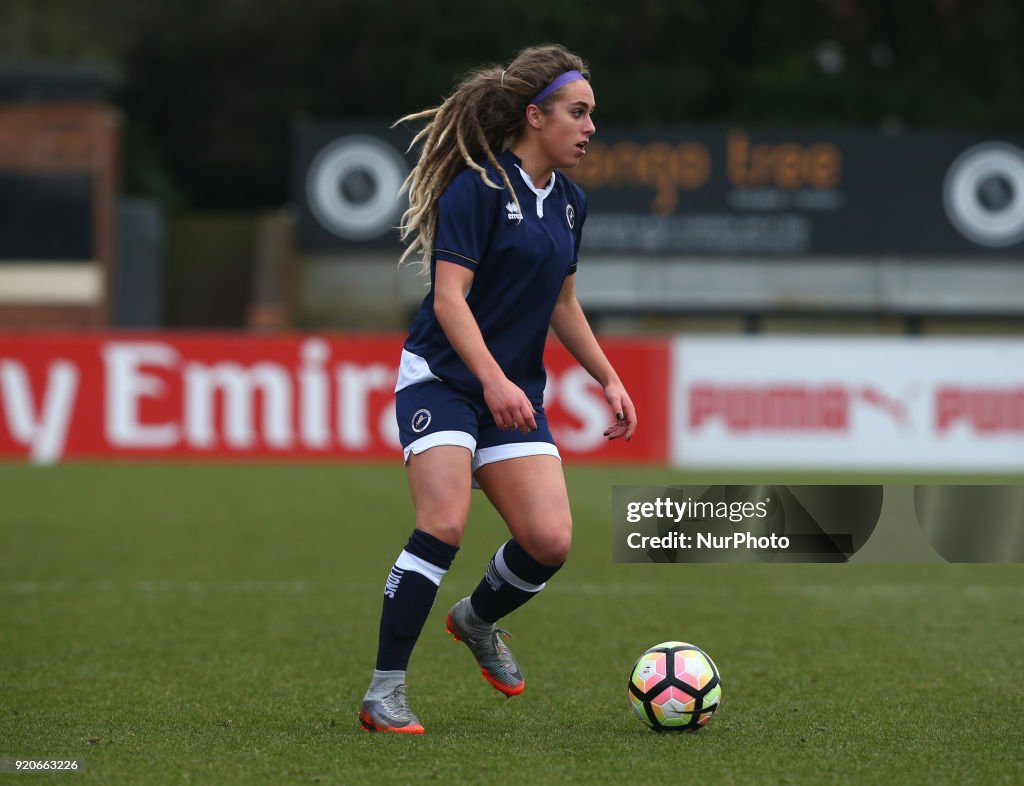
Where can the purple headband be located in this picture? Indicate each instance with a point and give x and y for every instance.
(558, 82)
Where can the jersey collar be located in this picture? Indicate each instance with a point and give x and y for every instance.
(540, 193)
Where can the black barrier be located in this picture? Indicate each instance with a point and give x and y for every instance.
(46, 216)
(686, 191)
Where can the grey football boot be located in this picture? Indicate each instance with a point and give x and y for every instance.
(497, 664)
(390, 713)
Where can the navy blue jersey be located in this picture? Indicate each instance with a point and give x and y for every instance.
(520, 264)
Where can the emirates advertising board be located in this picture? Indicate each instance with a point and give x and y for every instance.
(712, 191)
(233, 397)
(829, 404)
(848, 404)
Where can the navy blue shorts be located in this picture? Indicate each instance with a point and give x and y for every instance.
(432, 413)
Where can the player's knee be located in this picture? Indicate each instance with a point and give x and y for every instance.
(447, 529)
(553, 547)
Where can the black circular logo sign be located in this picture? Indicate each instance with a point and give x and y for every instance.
(352, 187)
(984, 194)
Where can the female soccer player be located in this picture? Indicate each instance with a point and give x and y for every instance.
(498, 228)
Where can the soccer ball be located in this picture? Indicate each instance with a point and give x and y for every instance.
(675, 686)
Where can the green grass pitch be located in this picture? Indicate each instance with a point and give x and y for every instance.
(216, 624)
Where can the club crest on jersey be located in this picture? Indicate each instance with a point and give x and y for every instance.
(513, 212)
(420, 420)
(570, 216)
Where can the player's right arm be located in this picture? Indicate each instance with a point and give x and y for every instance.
(506, 400)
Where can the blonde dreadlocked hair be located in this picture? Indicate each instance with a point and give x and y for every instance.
(483, 117)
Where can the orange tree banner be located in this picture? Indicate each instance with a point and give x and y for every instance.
(679, 190)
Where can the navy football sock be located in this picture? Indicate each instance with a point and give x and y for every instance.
(512, 578)
(408, 597)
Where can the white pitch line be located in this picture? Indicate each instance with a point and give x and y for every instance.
(816, 591)
(154, 587)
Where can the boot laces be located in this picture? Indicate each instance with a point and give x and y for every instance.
(397, 705)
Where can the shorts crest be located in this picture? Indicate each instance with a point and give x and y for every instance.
(420, 420)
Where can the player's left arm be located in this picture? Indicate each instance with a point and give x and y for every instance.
(573, 330)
